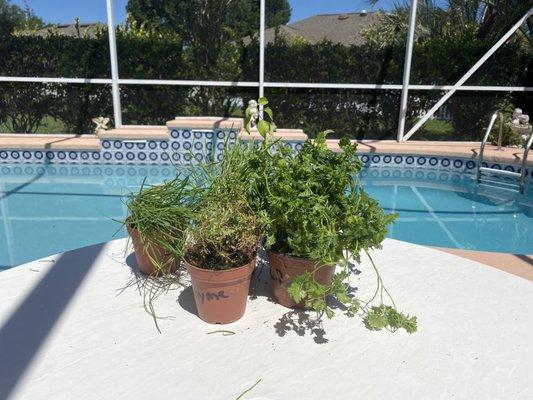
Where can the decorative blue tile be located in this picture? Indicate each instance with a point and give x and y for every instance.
(208, 145)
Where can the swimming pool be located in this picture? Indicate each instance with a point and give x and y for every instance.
(46, 209)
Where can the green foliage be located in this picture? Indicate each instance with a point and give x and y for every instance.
(225, 229)
(13, 18)
(309, 204)
(26, 105)
(509, 137)
(200, 45)
(380, 317)
(317, 208)
(161, 214)
(259, 116)
(237, 16)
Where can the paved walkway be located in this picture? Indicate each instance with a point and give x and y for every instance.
(73, 326)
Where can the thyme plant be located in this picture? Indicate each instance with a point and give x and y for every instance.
(225, 230)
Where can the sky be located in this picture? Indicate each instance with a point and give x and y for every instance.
(63, 11)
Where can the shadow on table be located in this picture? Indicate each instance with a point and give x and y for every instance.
(24, 333)
(187, 302)
(302, 322)
(299, 321)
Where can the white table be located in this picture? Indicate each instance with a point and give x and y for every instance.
(68, 332)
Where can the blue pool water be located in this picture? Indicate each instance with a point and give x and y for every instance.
(50, 209)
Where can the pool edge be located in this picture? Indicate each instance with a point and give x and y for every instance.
(520, 265)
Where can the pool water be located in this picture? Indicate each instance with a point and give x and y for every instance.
(49, 209)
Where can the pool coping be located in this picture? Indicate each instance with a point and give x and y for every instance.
(467, 150)
(57, 142)
(517, 264)
(50, 142)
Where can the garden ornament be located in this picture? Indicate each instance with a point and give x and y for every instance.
(101, 124)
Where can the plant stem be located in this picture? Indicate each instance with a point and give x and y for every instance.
(248, 390)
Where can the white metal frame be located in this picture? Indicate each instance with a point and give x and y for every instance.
(117, 109)
(407, 69)
(468, 74)
(116, 82)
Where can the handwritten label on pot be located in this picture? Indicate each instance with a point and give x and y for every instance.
(210, 296)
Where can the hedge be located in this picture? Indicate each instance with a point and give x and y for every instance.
(358, 113)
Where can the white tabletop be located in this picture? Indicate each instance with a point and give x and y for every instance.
(69, 331)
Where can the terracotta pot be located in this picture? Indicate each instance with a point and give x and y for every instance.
(144, 256)
(221, 296)
(284, 269)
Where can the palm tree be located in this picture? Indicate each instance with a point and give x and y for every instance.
(491, 18)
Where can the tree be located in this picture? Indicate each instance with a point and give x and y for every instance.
(239, 16)
(211, 33)
(459, 32)
(12, 18)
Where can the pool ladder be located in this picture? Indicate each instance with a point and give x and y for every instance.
(519, 177)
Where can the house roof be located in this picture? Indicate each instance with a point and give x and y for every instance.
(85, 30)
(338, 28)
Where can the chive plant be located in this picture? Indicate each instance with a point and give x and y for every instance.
(161, 214)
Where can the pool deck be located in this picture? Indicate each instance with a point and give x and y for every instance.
(73, 326)
(517, 264)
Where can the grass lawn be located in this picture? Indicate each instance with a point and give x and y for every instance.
(436, 129)
(48, 125)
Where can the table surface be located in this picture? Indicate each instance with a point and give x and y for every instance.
(73, 326)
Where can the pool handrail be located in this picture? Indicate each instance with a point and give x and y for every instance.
(520, 175)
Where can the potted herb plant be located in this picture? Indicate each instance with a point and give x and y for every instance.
(220, 254)
(315, 217)
(320, 217)
(158, 219)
